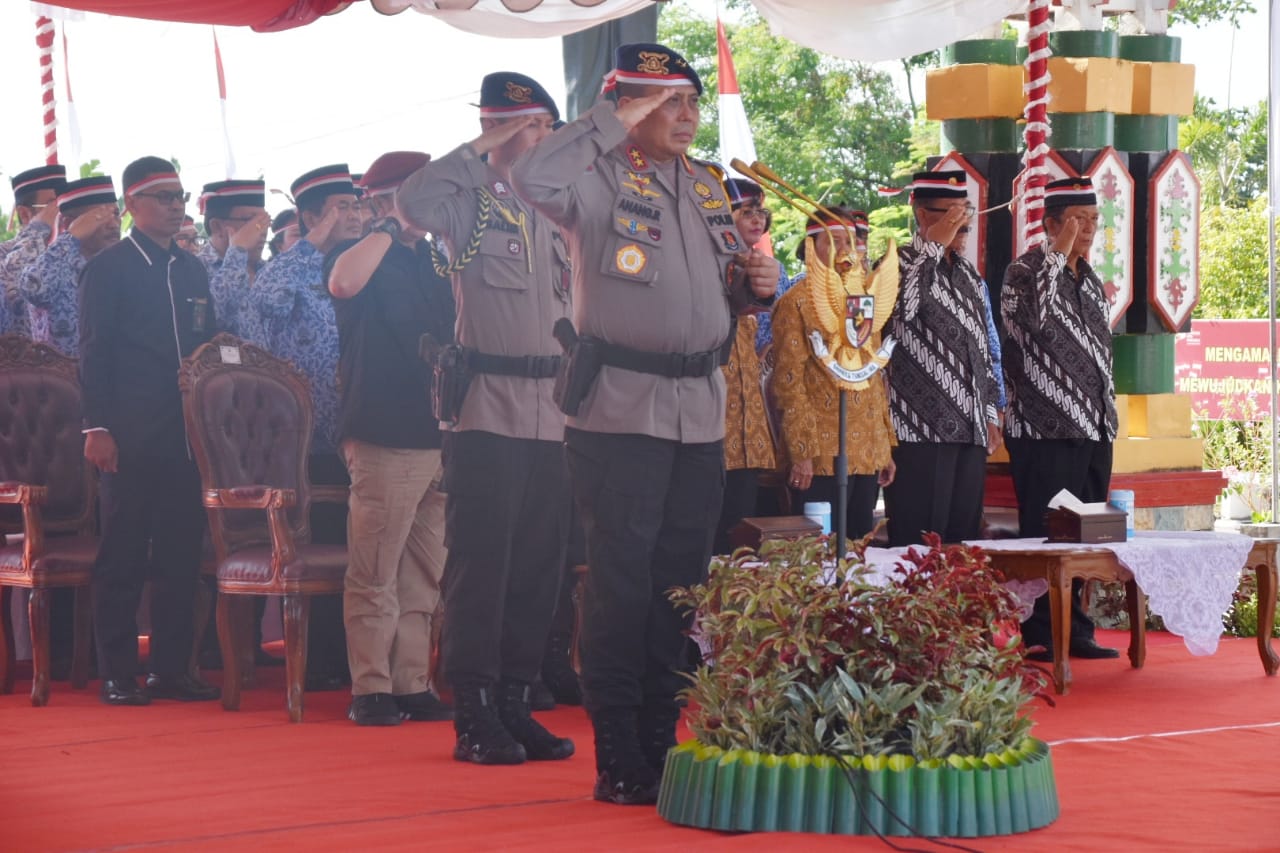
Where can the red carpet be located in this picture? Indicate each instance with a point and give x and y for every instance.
(1181, 755)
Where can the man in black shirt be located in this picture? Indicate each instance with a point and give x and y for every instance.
(387, 296)
(144, 306)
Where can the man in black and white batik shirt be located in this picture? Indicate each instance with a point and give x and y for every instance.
(942, 387)
(1061, 418)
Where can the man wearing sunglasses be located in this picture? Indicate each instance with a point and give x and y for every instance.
(236, 220)
(34, 192)
(943, 391)
(144, 306)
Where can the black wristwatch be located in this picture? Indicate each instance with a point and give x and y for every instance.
(388, 225)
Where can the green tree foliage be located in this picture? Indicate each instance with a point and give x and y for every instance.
(1233, 261)
(1197, 13)
(1228, 148)
(831, 127)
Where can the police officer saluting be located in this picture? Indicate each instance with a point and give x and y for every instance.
(644, 442)
(506, 513)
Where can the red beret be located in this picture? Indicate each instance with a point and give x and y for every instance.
(390, 170)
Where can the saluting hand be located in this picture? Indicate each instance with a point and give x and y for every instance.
(319, 234)
(945, 229)
(762, 274)
(48, 214)
(498, 134)
(89, 221)
(637, 110)
(1066, 239)
(254, 232)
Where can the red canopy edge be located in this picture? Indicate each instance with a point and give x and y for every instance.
(261, 15)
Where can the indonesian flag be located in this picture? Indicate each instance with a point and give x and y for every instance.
(735, 132)
(228, 154)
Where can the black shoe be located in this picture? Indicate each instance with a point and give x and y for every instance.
(424, 707)
(1090, 650)
(514, 712)
(481, 736)
(656, 729)
(184, 688)
(557, 671)
(123, 692)
(540, 698)
(374, 709)
(625, 776)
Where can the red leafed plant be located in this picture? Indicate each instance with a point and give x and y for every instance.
(804, 657)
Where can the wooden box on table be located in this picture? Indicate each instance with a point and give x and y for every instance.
(1099, 526)
(750, 532)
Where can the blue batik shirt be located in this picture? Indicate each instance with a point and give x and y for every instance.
(764, 334)
(993, 344)
(289, 312)
(228, 284)
(15, 256)
(51, 286)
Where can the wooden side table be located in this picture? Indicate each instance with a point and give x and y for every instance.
(1262, 559)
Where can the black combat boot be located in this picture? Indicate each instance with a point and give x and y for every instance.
(514, 712)
(557, 670)
(624, 775)
(656, 726)
(482, 739)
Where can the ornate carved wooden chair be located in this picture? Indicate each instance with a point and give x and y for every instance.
(47, 495)
(249, 420)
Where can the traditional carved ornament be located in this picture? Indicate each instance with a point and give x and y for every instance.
(1173, 247)
(975, 250)
(844, 312)
(1112, 253)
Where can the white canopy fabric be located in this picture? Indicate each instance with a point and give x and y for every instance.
(865, 30)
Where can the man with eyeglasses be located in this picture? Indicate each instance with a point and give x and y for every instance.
(236, 220)
(290, 312)
(1061, 419)
(943, 392)
(144, 306)
(34, 192)
(90, 223)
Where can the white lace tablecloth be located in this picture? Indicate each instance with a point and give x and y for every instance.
(1189, 577)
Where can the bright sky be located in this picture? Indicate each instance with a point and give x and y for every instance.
(344, 89)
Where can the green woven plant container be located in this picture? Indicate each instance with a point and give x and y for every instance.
(964, 797)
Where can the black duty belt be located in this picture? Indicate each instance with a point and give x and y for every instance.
(674, 365)
(530, 366)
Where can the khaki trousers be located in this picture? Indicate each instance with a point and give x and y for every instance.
(395, 541)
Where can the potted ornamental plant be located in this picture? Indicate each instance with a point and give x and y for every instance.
(835, 699)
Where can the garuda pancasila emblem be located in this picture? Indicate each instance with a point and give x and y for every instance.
(844, 312)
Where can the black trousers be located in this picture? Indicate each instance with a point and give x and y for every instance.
(506, 522)
(938, 489)
(862, 491)
(649, 508)
(152, 527)
(1040, 469)
(741, 488)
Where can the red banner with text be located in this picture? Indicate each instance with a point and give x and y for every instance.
(1220, 360)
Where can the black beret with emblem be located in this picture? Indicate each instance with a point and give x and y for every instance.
(947, 183)
(645, 64)
(1070, 192)
(504, 94)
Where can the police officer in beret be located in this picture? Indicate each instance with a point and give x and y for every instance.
(655, 235)
(507, 506)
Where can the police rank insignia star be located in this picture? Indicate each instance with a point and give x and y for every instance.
(631, 259)
(636, 157)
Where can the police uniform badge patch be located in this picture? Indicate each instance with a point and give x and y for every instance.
(652, 62)
(500, 189)
(636, 157)
(513, 246)
(631, 259)
(730, 240)
(708, 202)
